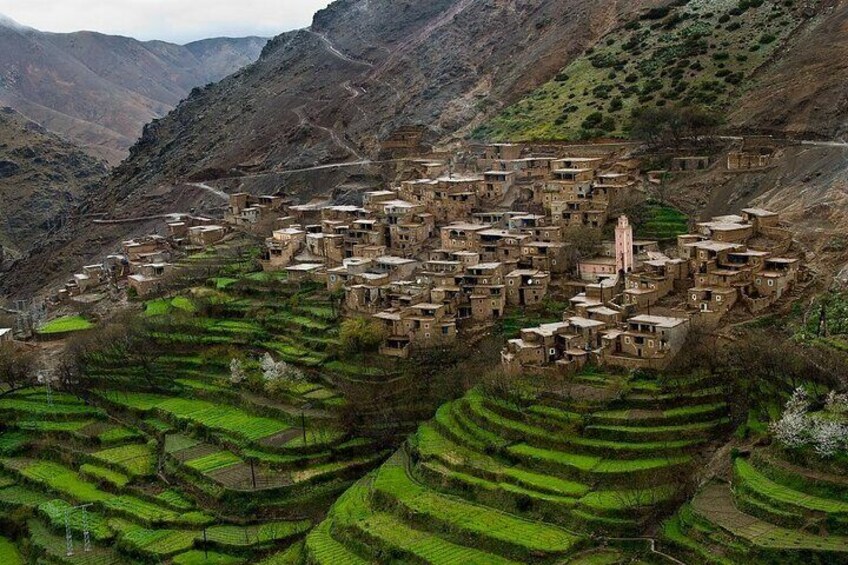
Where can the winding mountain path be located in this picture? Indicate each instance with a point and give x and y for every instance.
(335, 51)
(211, 189)
(334, 135)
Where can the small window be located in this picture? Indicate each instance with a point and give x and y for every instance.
(650, 343)
(427, 335)
(771, 282)
(718, 298)
(511, 282)
(553, 351)
(627, 340)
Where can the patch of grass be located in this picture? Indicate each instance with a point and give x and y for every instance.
(137, 460)
(198, 557)
(64, 325)
(9, 554)
(214, 462)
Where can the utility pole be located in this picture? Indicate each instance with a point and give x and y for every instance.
(69, 535)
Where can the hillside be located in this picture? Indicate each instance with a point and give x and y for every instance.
(99, 90)
(706, 53)
(42, 181)
(333, 92)
(563, 478)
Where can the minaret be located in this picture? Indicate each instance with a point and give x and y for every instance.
(624, 245)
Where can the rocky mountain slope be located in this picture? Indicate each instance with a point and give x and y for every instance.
(334, 91)
(764, 65)
(42, 180)
(804, 89)
(363, 69)
(99, 90)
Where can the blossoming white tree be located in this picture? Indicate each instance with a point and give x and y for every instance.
(279, 370)
(826, 432)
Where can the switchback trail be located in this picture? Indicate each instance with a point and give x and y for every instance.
(211, 190)
(332, 48)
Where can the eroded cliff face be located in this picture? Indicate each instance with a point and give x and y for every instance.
(43, 180)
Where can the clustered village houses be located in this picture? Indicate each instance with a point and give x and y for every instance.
(446, 253)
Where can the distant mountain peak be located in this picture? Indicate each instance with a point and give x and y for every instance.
(6, 21)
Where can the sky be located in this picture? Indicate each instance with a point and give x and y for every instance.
(177, 21)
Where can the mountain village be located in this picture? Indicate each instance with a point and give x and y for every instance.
(442, 255)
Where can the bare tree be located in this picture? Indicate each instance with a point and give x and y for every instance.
(17, 367)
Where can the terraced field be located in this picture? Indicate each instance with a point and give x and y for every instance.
(490, 481)
(178, 464)
(773, 511)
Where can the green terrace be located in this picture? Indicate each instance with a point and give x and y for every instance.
(297, 323)
(64, 325)
(662, 223)
(491, 480)
(149, 494)
(774, 510)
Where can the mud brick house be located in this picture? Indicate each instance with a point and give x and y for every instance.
(526, 287)
(570, 213)
(499, 152)
(205, 236)
(501, 245)
(756, 153)
(375, 272)
(483, 283)
(148, 247)
(745, 161)
(309, 213)
(282, 247)
(496, 184)
(372, 198)
(549, 256)
(448, 199)
(246, 209)
(561, 347)
(462, 236)
(566, 184)
(422, 325)
(406, 141)
(593, 163)
(647, 342)
(726, 270)
(148, 279)
(178, 227)
(6, 335)
(302, 272)
(363, 233)
(656, 279)
(763, 221)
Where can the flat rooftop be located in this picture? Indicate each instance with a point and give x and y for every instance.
(660, 321)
